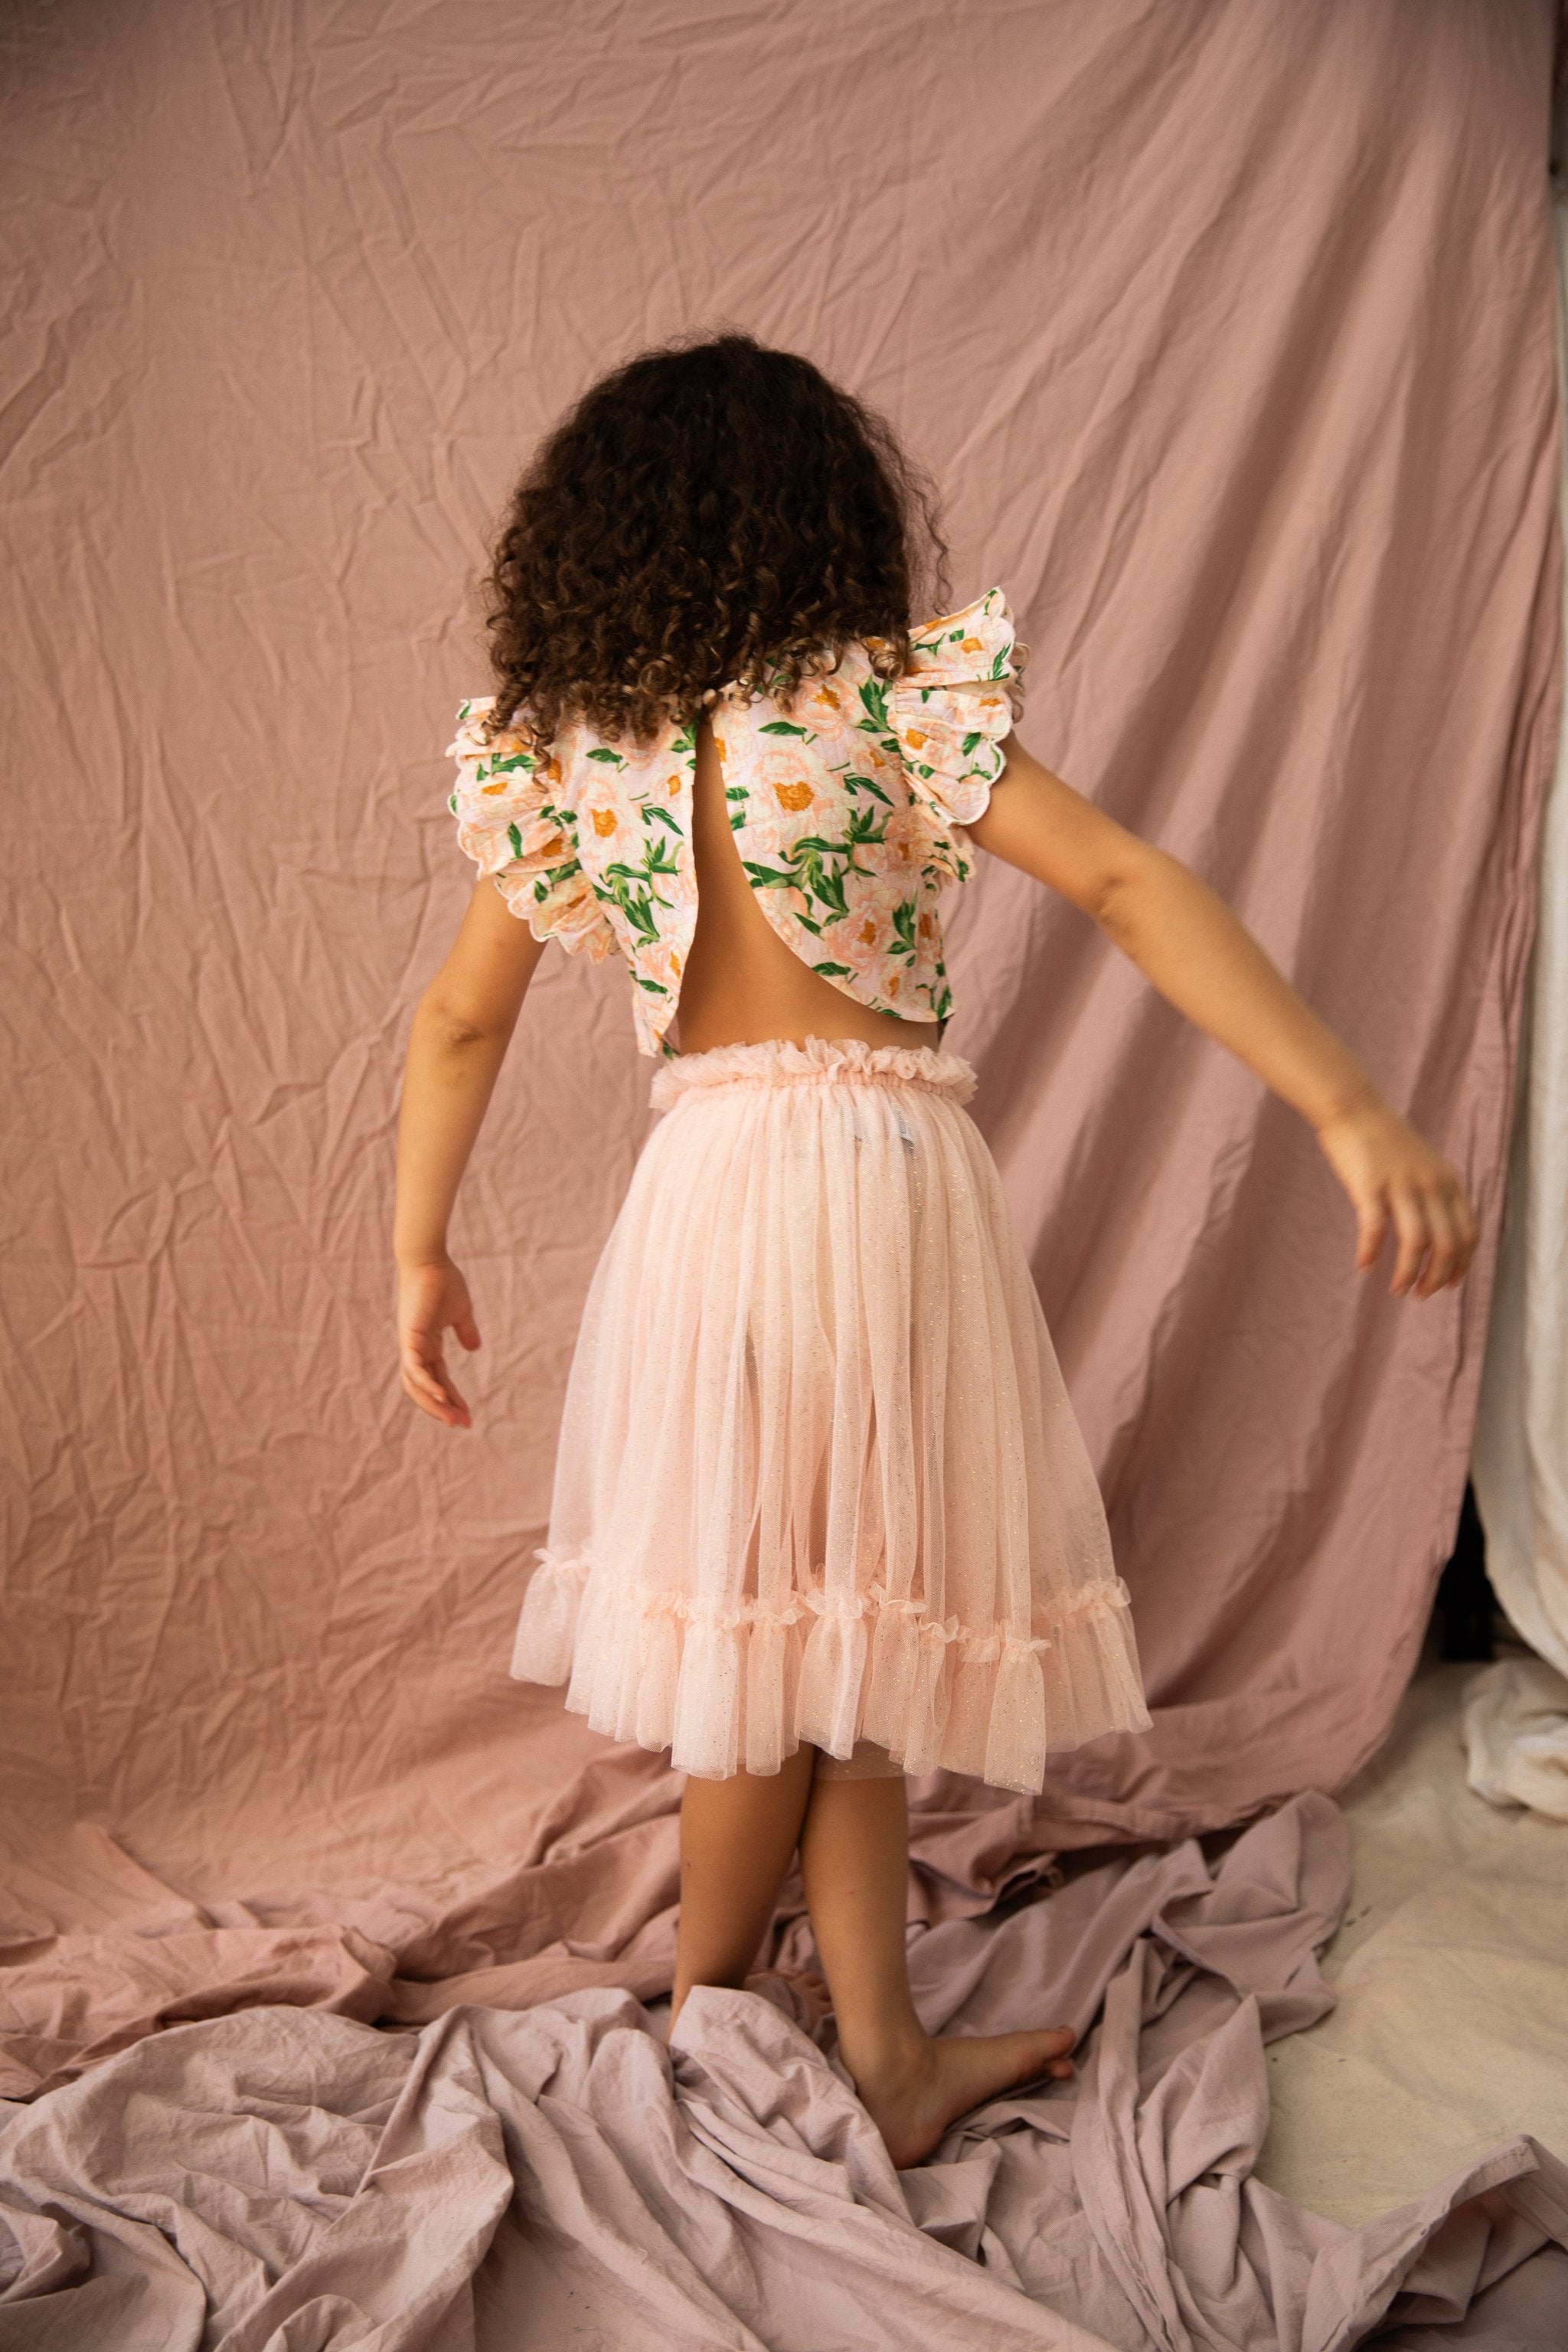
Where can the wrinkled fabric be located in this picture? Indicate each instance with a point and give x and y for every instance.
(1516, 1733)
(1227, 331)
(1516, 1714)
(511, 2181)
(1449, 2031)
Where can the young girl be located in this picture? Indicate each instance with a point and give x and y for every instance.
(821, 1516)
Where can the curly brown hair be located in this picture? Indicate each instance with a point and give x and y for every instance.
(713, 512)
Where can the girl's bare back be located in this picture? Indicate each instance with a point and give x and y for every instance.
(742, 983)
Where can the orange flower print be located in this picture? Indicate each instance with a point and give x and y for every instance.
(793, 796)
(906, 834)
(603, 822)
(658, 960)
(672, 785)
(869, 931)
(552, 770)
(971, 645)
(914, 739)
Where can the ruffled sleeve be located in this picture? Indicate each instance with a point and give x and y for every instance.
(514, 820)
(953, 706)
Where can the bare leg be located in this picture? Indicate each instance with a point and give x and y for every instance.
(853, 1851)
(737, 1840)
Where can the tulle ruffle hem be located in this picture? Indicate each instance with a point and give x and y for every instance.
(746, 1686)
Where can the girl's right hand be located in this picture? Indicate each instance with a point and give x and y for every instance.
(429, 1299)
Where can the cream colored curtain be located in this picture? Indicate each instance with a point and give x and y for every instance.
(1516, 1711)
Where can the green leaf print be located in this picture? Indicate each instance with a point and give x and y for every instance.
(904, 928)
(886, 743)
(969, 744)
(638, 914)
(834, 970)
(874, 702)
(655, 815)
(867, 784)
(602, 752)
(627, 888)
(684, 744)
(816, 877)
(515, 838)
(503, 767)
(817, 867)
(781, 727)
(552, 879)
(654, 987)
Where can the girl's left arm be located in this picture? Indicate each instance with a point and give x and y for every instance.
(1197, 953)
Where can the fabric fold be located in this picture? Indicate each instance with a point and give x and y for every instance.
(950, 711)
(547, 1625)
(521, 830)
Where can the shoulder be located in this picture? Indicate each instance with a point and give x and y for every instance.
(476, 739)
(953, 707)
(514, 753)
(971, 647)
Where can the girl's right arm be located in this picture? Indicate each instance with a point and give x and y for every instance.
(1203, 961)
(455, 1048)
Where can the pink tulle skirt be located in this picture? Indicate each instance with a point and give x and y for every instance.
(818, 1477)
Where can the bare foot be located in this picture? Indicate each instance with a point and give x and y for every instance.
(913, 2098)
(808, 1992)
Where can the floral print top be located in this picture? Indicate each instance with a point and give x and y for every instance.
(848, 803)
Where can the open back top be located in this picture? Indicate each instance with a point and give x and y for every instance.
(848, 801)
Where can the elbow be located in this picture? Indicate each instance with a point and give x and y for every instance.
(1113, 903)
(1119, 899)
(452, 1026)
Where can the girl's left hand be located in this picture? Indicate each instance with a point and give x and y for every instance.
(1393, 1177)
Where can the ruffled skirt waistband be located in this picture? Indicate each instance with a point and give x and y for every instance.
(820, 1061)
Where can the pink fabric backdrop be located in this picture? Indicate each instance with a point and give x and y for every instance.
(1228, 331)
